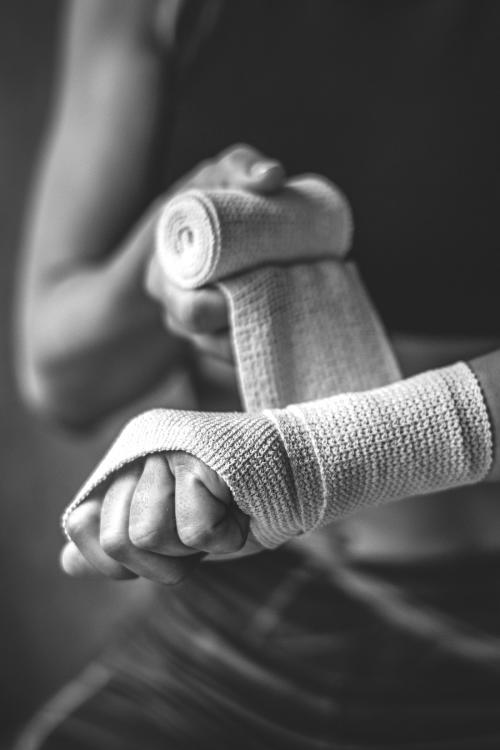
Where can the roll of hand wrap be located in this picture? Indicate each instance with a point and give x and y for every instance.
(207, 236)
(302, 324)
(304, 332)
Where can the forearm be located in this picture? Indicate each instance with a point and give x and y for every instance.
(87, 338)
(90, 347)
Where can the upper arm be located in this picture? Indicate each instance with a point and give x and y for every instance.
(77, 314)
(98, 171)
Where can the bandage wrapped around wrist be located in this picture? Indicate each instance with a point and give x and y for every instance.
(297, 468)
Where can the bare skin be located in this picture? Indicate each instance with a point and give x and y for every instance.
(90, 340)
(99, 325)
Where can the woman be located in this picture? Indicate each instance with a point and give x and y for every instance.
(291, 648)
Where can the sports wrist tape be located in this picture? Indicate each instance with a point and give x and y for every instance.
(294, 469)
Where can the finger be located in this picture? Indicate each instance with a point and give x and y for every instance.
(204, 176)
(195, 310)
(207, 518)
(246, 167)
(152, 511)
(75, 564)
(218, 345)
(83, 528)
(115, 540)
(113, 535)
(239, 166)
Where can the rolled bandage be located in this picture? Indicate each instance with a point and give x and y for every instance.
(303, 332)
(295, 469)
(302, 324)
(204, 237)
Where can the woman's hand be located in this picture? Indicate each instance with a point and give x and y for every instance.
(156, 519)
(201, 315)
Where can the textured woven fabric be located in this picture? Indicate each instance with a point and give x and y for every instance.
(420, 435)
(301, 330)
(294, 469)
(303, 333)
(211, 235)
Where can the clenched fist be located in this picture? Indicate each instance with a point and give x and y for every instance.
(156, 519)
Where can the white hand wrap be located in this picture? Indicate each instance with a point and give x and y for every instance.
(206, 236)
(294, 469)
(302, 324)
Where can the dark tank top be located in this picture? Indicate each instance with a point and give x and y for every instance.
(395, 101)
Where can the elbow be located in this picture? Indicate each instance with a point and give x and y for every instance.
(47, 392)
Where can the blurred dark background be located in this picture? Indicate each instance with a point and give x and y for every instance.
(49, 624)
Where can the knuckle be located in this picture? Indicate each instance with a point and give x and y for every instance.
(186, 474)
(145, 537)
(75, 525)
(236, 151)
(114, 543)
(114, 492)
(198, 537)
(183, 463)
(80, 521)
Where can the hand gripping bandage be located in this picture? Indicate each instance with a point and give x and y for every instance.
(302, 323)
(304, 331)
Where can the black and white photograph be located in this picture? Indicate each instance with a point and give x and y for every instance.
(250, 374)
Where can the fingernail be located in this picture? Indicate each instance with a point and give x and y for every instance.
(262, 168)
